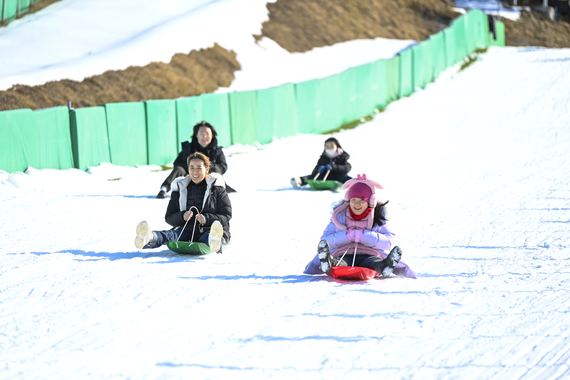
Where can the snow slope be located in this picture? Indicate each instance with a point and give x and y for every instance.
(478, 181)
(75, 39)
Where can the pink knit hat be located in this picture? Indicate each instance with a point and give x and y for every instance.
(361, 191)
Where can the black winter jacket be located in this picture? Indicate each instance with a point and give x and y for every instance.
(217, 205)
(214, 152)
(340, 164)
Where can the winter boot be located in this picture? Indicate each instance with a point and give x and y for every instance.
(327, 261)
(215, 238)
(390, 262)
(296, 182)
(144, 234)
(161, 194)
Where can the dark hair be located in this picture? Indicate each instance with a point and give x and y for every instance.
(332, 139)
(379, 219)
(204, 124)
(199, 156)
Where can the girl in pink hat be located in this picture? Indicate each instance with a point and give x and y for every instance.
(359, 234)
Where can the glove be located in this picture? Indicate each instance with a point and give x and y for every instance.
(328, 167)
(321, 169)
(355, 234)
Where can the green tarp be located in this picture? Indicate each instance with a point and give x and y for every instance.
(438, 48)
(406, 73)
(16, 129)
(378, 85)
(89, 139)
(308, 104)
(161, 131)
(126, 123)
(500, 30)
(216, 111)
(243, 116)
(331, 106)
(10, 10)
(459, 28)
(422, 56)
(188, 114)
(51, 139)
(277, 116)
(392, 79)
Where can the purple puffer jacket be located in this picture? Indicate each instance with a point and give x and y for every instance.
(377, 241)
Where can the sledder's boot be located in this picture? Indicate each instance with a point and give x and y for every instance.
(296, 182)
(215, 239)
(144, 234)
(327, 261)
(390, 262)
(161, 194)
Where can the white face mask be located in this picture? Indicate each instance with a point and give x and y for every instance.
(330, 152)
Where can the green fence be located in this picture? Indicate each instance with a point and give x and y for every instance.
(11, 9)
(151, 132)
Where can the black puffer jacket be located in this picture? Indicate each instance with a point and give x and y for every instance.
(217, 205)
(214, 152)
(340, 164)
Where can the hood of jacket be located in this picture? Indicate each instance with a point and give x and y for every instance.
(181, 185)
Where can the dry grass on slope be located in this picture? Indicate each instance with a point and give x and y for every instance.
(190, 74)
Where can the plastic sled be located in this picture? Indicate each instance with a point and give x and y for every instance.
(189, 248)
(325, 185)
(352, 273)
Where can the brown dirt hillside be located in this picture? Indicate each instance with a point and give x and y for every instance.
(296, 25)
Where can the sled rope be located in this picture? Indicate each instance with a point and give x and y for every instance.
(326, 175)
(193, 228)
(354, 256)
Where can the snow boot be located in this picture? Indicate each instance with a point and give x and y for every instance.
(327, 261)
(215, 238)
(161, 194)
(390, 262)
(144, 234)
(296, 182)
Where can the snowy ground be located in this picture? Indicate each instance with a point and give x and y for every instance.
(113, 35)
(477, 174)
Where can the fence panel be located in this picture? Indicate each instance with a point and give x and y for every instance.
(15, 129)
(277, 116)
(365, 102)
(52, 139)
(330, 95)
(216, 111)
(406, 73)
(188, 114)
(243, 116)
(10, 10)
(392, 79)
(308, 104)
(459, 26)
(126, 123)
(438, 48)
(378, 85)
(161, 131)
(89, 139)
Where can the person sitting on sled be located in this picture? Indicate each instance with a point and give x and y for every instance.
(359, 234)
(203, 141)
(333, 161)
(199, 210)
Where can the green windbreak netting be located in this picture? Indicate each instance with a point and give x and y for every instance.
(378, 85)
(449, 42)
(24, 6)
(16, 127)
(422, 63)
(161, 131)
(89, 139)
(308, 104)
(392, 79)
(126, 123)
(406, 73)
(459, 26)
(481, 29)
(277, 114)
(188, 114)
(51, 139)
(349, 96)
(10, 10)
(331, 106)
(243, 115)
(216, 111)
(438, 48)
(365, 102)
(500, 30)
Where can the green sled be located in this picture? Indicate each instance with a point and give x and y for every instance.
(188, 248)
(325, 185)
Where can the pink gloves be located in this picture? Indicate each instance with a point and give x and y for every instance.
(355, 235)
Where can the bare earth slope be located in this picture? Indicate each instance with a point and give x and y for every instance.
(297, 26)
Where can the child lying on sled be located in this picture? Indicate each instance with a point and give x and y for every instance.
(359, 234)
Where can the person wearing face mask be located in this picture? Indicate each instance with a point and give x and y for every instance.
(333, 160)
(203, 141)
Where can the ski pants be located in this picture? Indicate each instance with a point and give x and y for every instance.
(363, 261)
(163, 237)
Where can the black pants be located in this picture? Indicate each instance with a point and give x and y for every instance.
(363, 261)
(177, 171)
(340, 178)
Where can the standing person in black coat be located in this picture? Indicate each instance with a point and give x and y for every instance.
(199, 210)
(333, 159)
(204, 141)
